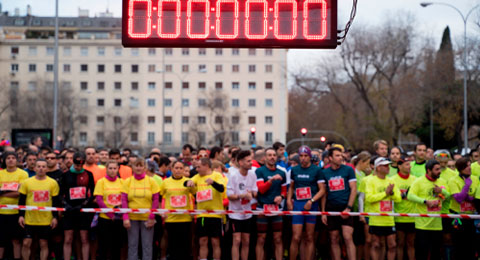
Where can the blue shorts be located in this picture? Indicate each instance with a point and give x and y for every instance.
(299, 219)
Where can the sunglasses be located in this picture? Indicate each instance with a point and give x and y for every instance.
(51, 158)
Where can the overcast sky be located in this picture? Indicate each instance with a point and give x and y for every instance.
(431, 20)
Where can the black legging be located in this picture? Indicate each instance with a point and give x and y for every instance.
(112, 236)
(179, 240)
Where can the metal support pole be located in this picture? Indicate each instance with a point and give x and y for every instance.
(55, 78)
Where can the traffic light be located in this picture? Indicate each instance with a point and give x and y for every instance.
(252, 135)
(323, 139)
(303, 131)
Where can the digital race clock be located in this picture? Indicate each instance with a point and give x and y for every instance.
(230, 23)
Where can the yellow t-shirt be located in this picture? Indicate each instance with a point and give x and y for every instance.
(361, 188)
(140, 194)
(10, 181)
(111, 192)
(379, 201)
(39, 193)
(455, 185)
(206, 196)
(176, 196)
(405, 206)
(475, 169)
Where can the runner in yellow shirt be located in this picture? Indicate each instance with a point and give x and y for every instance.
(428, 192)
(10, 179)
(209, 187)
(405, 226)
(42, 191)
(108, 194)
(178, 226)
(463, 188)
(380, 194)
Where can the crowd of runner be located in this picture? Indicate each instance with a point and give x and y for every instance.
(389, 180)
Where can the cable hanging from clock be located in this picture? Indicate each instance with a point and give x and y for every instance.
(353, 12)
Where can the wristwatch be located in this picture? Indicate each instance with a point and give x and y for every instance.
(349, 207)
(312, 201)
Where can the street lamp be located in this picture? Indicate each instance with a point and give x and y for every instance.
(464, 18)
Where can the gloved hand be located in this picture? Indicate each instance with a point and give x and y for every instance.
(468, 181)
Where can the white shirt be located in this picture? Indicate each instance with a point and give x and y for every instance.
(237, 185)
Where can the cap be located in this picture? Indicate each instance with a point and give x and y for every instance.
(442, 153)
(403, 158)
(79, 158)
(382, 161)
(305, 149)
(339, 146)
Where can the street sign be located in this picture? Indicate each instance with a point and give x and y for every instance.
(230, 23)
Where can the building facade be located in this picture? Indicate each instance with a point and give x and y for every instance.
(143, 97)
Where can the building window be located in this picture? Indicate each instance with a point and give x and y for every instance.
(268, 120)
(218, 52)
(184, 137)
(32, 67)
(134, 68)
(202, 102)
(185, 102)
(185, 119)
(185, 68)
(252, 52)
(134, 102)
(168, 68)
(252, 85)
(83, 102)
(235, 102)
(100, 68)
(235, 52)
(167, 137)
(50, 51)
(118, 85)
(269, 102)
(168, 102)
(268, 137)
(14, 67)
(251, 68)
(268, 85)
(168, 51)
(202, 51)
(118, 68)
(32, 51)
(152, 51)
(83, 85)
(151, 119)
(218, 102)
(251, 120)
(269, 68)
(168, 85)
(235, 120)
(84, 51)
(151, 68)
(101, 85)
(83, 137)
(202, 68)
(202, 85)
(202, 137)
(134, 86)
(218, 85)
(151, 102)
(100, 102)
(268, 52)
(202, 120)
(117, 102)
(235, 138)
(67, 85)
(167, 120)
(117, 120)
(32, 85)
(134, 119)
(134, 137)
(49, 67)
(118, 51)
(67, 51)
(14, 50)
(235, 68)
(218, 68)
(236, 85)
(218, 120)
(151, 85)
(151, 138)
(83, 120)
(252, 102)
(66, 67)
(135, 51)
(185, 51)
(185, 85)
(83, 67)
(101, 51)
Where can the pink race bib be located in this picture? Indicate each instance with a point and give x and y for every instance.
(41, 196)
(386, 206)
(466, 206)
(114, 199)
(78, 193)
(10, 186)
(303, 193)
(336, 184)
(179, 201)
(270, 207)
(204, 195)
(436, 208)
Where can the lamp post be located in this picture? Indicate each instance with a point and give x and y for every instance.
(55, 79)
(464, 18)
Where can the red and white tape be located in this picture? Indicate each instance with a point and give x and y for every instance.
(254, 212)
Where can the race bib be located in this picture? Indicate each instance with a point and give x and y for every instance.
(78, 193)
(336, 184)
(114, 199)
(204, 195)
(303, 193)
(270, 207)
(41, 196)
(436, 208)
(10, 186)
(466, 206)
(386, 206)
(179, 201)
(404, 194)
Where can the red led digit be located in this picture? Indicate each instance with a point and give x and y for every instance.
(161, 18)
(207, 20)
(306, 32)
(132, 18)
(248, 34)
(218, 26)
(293, 20)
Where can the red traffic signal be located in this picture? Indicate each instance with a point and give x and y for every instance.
(323, 139)
(253, 130)
(303, 131)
